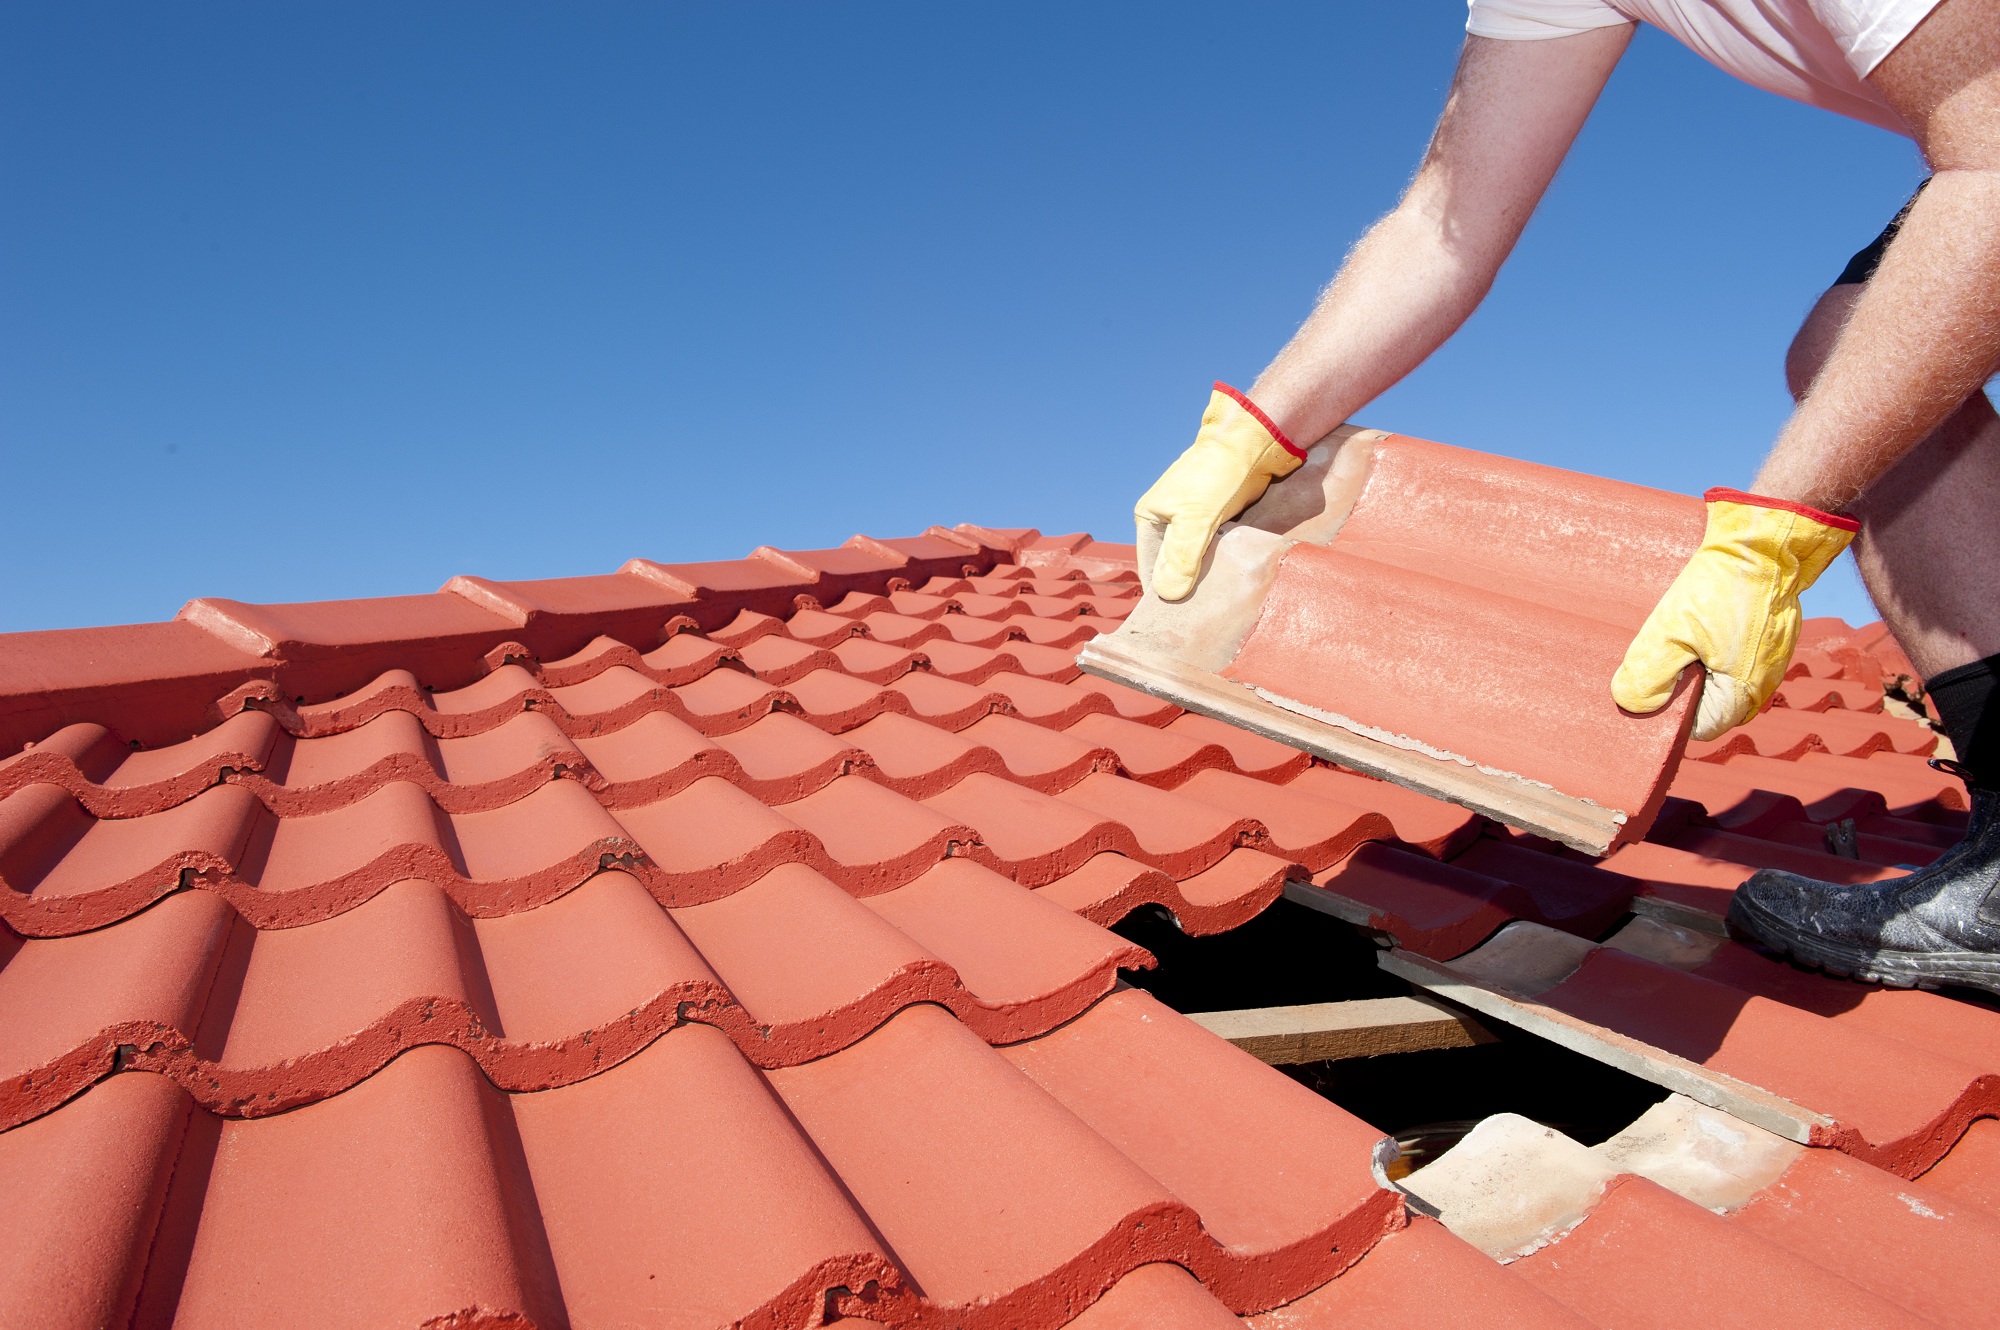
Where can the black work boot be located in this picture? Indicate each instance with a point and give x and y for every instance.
(1939, 925)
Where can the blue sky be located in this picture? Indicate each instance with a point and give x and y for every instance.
(314, 301)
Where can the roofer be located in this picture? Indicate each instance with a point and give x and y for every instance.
(1892, 445)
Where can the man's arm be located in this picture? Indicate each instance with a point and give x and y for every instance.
(1514, 108)
(1925, 334)
(1513, 111)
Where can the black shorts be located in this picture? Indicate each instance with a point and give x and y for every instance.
(1863, 265)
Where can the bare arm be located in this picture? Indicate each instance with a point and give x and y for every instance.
(1925, 334)
(1512, 113)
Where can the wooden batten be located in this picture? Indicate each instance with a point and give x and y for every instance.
(1363, 1028)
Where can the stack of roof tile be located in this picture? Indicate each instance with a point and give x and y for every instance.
(722, 944)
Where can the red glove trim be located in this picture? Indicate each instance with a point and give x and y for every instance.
(1719, 495)
(1262, 419)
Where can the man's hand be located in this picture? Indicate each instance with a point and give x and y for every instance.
(1232, 461)
(1734, 608)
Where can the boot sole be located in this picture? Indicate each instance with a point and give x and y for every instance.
(1897, 969)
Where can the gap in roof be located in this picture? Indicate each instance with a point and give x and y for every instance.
(1436, 1095)
(1291, 956)
(1287, 956)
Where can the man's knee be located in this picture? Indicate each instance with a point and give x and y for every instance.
(1815, 338)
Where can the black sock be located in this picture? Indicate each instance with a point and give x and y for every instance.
(1965, 706)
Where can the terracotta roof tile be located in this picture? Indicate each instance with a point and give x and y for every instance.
(1110, 886)
(1156, 1297)
(1177, 834)
(1787, 733)
(1302, 825)
(1431, 908)
(1149, 754)
(1821, 798)
(1890, 1102)
(153, 683)
(1392, 615)
(1040, 837)
(1901, 1241)
(947, 703)
(1279, 1176)
(1911, 785)
(1929, 1021)
(711, 1216)
(1971, 1172)
(1339, 609)
(83, 1196)
(1251, 754)
(1809, 694)
(1570, 894)
(1431, 825)
(975, 664)
(1425, 1279)
(1037, 756)
(1620, 1268)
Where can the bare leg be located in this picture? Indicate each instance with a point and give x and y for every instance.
(1929, 548)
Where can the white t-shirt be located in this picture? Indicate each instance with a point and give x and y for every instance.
(1814, 51)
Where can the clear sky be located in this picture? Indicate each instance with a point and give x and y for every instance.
(306, 301)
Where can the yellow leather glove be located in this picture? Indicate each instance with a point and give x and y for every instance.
(1734, 608)
(1232, 461)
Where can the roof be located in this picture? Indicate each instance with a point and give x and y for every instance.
(724, 944)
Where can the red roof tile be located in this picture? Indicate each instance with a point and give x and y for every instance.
(1890, 1102)
(1443, 617)
(1423, 1278)
(1901, 1241)
(1630, 1265)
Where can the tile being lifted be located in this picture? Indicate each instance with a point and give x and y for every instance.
(1440, 618)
